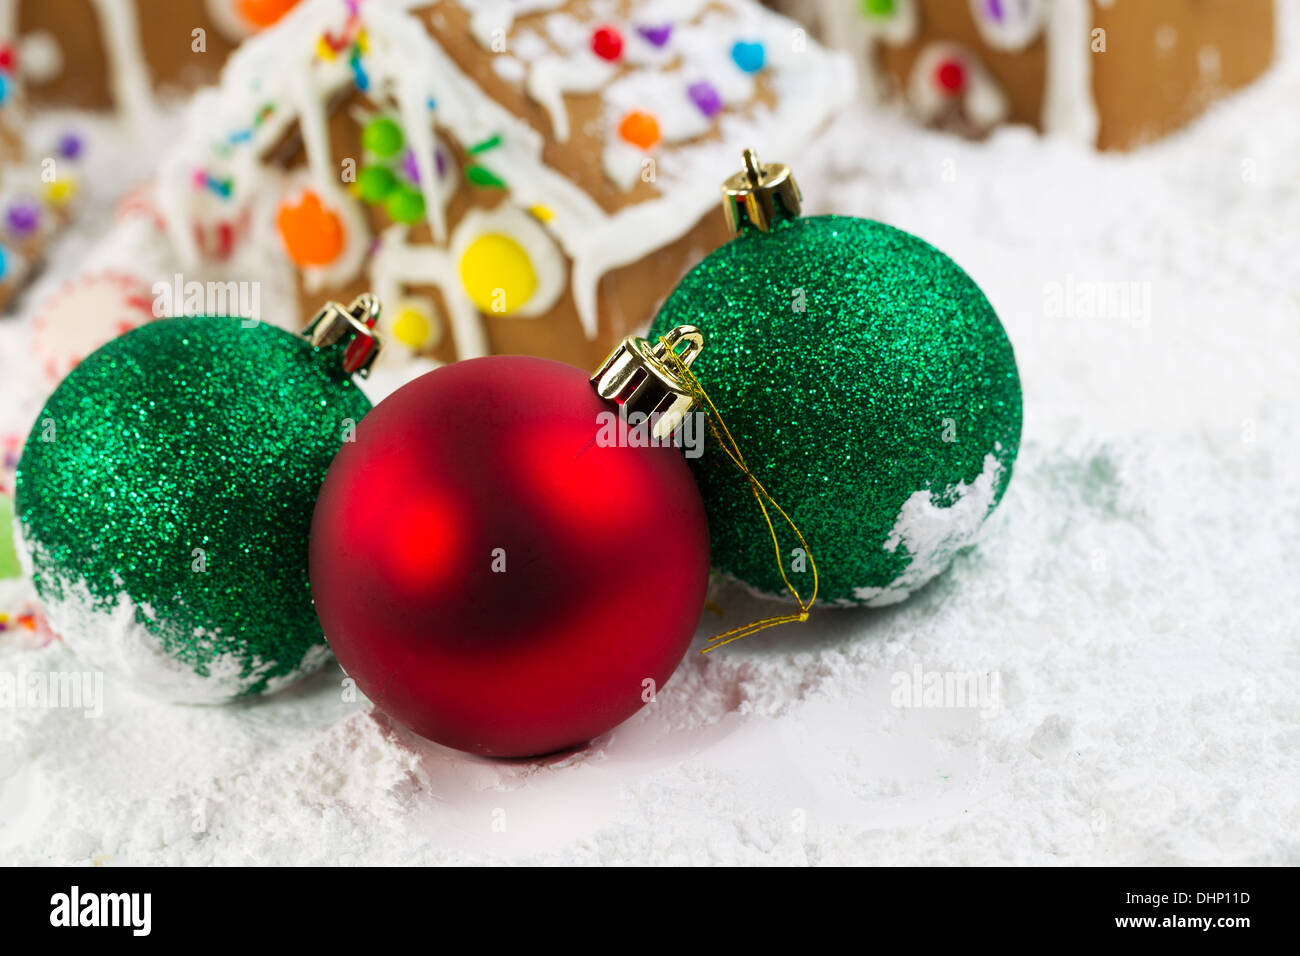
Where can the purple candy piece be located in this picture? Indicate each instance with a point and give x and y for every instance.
(70, 146)
(657, 35)
(411, 167)
(995, 10)
(705, 96)
(23, 217)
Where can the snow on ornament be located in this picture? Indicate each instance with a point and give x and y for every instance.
(85, 313)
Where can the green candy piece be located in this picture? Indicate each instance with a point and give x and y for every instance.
(375, 182)
(404, 204)
(383, 137)
(877, 8)
(482, 176)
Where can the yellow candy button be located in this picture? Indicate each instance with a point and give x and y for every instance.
(497, 274)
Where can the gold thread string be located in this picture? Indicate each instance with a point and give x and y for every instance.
(722, 435)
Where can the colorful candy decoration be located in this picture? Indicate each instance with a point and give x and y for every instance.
(415, 323)
(478, 175)
(497, 274)
(62, 191)
(950, 76)
(392, 178)
(750, 56)
(70, 146)
(607, 43)
(23, 217)
(263, 13)
(508, 262)
(374, 183)
(640, 129)
(706, 98)
(383, 137)
(404, 204)
(657, 35)
(84, 314)
(312, 234)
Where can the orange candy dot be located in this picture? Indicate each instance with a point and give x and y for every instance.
(262, 13)
(639, 129)
(312, 234)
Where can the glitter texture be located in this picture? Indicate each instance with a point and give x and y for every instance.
(165, 497)
(872, 391)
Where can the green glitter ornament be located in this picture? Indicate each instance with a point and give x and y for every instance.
(165, 494)
(868, 383)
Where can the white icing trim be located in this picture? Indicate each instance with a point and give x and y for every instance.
(1069, 108)
(397, 264)
(489, 16)
(550, 77)
(127, 67)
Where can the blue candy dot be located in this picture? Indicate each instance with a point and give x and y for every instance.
(750, 57)
(4, 263)
(4, 89)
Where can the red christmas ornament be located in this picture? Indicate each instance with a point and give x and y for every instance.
(493, 573)
(950, 77)
(607, 43)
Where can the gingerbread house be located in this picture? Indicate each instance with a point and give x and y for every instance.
(38, 176)
(527, 177)
(1112, 73)
(120, 54)
(111, 55)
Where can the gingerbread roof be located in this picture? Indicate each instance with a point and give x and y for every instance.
(615, 120)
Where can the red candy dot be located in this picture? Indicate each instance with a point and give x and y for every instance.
(950, 76)
(6, 58)
(607, 43)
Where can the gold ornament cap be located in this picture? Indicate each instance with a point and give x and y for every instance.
(760, 195)
(636, 376)
(333, 323)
